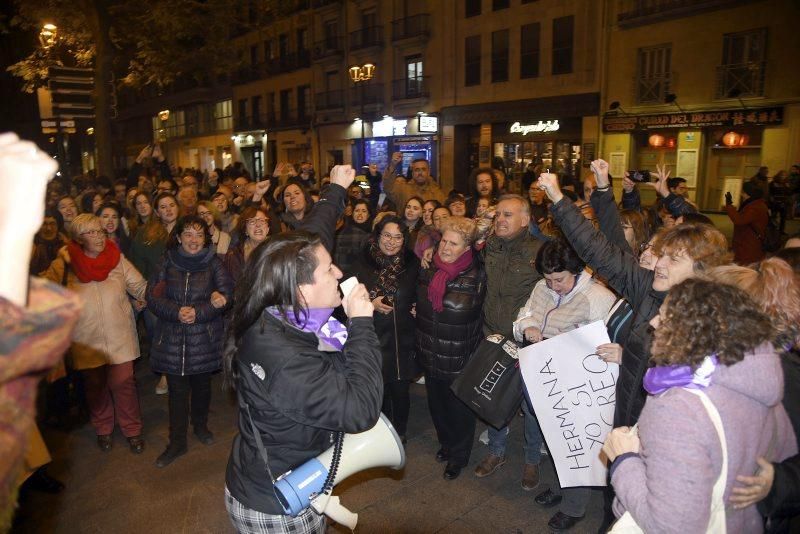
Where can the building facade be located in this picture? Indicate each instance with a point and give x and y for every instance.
(710, 89)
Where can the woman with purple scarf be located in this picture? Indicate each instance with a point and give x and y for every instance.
(449, 301)
(389, 271)
(713, 408)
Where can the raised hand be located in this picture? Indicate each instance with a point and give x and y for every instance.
(660, 185)
(261, 189)
(549, 183)
(343, 175)
(600, 169)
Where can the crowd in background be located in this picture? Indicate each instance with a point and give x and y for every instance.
(156, 258)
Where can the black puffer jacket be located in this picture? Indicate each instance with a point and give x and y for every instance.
(395, 330)
(188, 349)
(445, 340)
(635, 283)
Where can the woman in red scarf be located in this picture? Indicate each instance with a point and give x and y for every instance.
(449, 300)
(104, 344)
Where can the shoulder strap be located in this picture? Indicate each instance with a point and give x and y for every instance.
(716, 522)
(262, 450)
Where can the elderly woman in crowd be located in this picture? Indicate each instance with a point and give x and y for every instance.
(252, 229)
(389, 272)
(111, 220)
(567, 297)
(188, 294)
(712, 410)
(450, 297)
(220, 240)
(104, 342)
(351, 237)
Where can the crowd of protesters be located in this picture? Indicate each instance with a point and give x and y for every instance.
(160, 259)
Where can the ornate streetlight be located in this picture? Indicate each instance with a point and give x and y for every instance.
(360, 74)
(48, 35)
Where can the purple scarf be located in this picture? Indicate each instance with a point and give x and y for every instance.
(444, 273)
(320, 323)
(657, 380)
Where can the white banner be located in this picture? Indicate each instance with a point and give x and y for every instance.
(572, 391)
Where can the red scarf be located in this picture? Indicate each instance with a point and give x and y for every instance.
(93, 269)
(445, 272)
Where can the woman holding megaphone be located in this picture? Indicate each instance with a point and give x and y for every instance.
(301, 375)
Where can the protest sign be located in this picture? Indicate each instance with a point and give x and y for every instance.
(572, 391)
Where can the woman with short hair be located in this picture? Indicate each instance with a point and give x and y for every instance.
(449, 321)
(252, 230)
(104, 341)
(189, 294)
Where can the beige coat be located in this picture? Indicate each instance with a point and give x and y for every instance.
(106, 329)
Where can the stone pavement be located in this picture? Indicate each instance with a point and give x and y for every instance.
(118, 492)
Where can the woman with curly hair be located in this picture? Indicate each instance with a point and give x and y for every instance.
(712, 410)
(775, 287)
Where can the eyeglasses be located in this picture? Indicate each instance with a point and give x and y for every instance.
(256, 221)
(94, 233)
(204, 214)
(390, 237)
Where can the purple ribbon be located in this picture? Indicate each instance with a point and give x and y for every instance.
(321, 323)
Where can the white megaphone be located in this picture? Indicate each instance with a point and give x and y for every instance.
(301, 487)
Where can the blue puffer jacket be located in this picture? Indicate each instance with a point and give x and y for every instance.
(188, 349)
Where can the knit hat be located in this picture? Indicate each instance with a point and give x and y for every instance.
(753, 190)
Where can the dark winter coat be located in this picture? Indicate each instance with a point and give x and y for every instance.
(396, 329)
(188, 349)
(510, 278)
(749, 222)
(349, 243)
(783, 501)
(446, 339)
(298, 396)
(635, 283)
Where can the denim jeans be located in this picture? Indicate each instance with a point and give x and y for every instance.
(533, 438)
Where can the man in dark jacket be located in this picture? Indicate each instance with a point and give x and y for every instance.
(508, 256)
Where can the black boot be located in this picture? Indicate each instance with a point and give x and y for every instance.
(172, 452)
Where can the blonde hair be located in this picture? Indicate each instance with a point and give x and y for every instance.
(466, 228)
(81, 224)
(774, 288)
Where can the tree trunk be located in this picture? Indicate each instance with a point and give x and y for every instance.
(98, 21)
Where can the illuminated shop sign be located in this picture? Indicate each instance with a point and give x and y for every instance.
(389, 127)
(695, 119)
(428, 123)
(539, 127)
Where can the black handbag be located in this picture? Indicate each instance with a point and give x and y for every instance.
(491, 382)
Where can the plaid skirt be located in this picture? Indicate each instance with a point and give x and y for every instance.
(247, 521)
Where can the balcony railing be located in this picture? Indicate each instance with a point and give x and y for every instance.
(742, 79)
(639, 12)
(366, 37)
(652, 89)
(288, 63)
(411, 27)
(372, 94)
(329, 100)
(330, 47)
(409, 88)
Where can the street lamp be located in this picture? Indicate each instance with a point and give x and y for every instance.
(48, 35)
(360, 74)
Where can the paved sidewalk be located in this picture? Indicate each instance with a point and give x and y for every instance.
(118, 492)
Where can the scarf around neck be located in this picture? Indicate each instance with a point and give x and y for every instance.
(445, 272)
(191, 262)
(89, 269)
(321, 323)
(659, 379)
(390, 268)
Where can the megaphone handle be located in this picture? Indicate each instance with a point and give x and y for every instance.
(332, 507)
